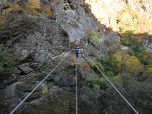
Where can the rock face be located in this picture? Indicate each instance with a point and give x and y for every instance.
(74, 19)
(148, 46)
(33, 51)
(39, 50)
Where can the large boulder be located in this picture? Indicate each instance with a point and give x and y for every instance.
(25, 68)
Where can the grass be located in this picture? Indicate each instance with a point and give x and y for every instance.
(126, 51)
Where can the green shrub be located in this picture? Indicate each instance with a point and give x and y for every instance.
(92, 33)
(47, 11)
(94, 37)
(2, 21)
(91, 64)
(110, 74)
(131, 53)
(41, 75)
(98, 35)
(99, 65)
(72, 44)
(44, 90)
(6, 62)
(50, 77)
(125, 42)
(97, 81)
(144, 61)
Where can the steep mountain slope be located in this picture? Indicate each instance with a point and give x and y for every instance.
(37, 34)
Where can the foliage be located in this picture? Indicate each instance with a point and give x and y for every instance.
(108, 64)
(18, 24)
(46, 11)
(131, 53)
(94, 37)
(147, 54)
(2, 21)
(41, 75)
(61, 104)
(86, 68)
(115, 62)
(141, 53)
(91, 64)
(149, 69)
(125, 42)
(50, 77)
(124, 62)
(93, 33)
(44, 90)
(111, 52)
(137, 93)
(118, 78)
(33, 7)
(84, 107)
(133, 26)
(128, 51)
(133, 90)
(6, 62)
(99, 65)
(132, 64)
(144, 61)
(98, 81)
(110, 74)
(14, 8)
(118, 56)
(72, 44)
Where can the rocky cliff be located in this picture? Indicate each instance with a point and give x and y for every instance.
(35, 38)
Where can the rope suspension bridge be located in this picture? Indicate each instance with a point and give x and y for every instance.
(76, 86)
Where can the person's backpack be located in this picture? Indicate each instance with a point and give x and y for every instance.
(77, 51)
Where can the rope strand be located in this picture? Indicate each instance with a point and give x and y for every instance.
(76, 93)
